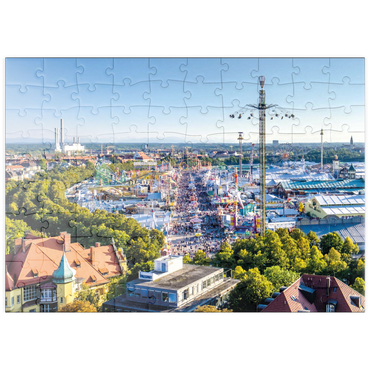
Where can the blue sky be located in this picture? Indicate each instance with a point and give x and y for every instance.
(182, 100)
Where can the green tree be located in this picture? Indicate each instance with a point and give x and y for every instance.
(280, 277)
(303, 246)
(15, 229)
(331, 240)
(88, 295)
(225, 256)
(207, 308)
(200, 259)
(78, 306)
(140, 252)
(290, 246)
(316, 263)
(297, 233)
(348, 249)
(313, 239)
(276, 256)
(145, 267)
(116, 287)
(253, 289)
(186, 258)
(282, 232)
(239, 273)
(334, 263)
(359, 285)
(43, 164)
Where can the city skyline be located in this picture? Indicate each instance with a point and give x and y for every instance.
(174, 100)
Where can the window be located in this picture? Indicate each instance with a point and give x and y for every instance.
(208, 282)
(6, 301)
(34, 310)
(18, 299)
(12, 301)
(144, 293)
(61, 299)
(45, 308)
(164, 297)
(47, 294)
(335, 289)
(330, 308)
(163, 267)
(172, 297)
(29, 292)
(185, 294)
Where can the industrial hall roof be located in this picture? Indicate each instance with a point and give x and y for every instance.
(323, 185)
(336, 200)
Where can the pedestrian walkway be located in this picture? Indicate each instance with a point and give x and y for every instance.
(195, 223)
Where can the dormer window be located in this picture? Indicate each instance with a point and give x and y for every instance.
(77, 263)
(93, 278)
(356, 301)
(103, 271)
(35, 273)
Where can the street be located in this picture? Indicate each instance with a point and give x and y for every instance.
(195, 224)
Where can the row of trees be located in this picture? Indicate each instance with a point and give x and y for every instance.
(264, 264)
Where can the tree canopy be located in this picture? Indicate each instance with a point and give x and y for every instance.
(41, 207)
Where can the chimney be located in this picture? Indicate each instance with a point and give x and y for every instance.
(17, 245)
(61, 133)
(327, 286)
(92, 255)
(23, 245)
(97, 245)
(56, 137)
(67, 241)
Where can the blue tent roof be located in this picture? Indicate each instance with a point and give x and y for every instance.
(64, 273)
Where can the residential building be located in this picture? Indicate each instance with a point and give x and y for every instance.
(21, 172)
(142, 157)
(315, 293)
(174, 287)
(43, 274)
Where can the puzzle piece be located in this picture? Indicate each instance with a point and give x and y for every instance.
(127, 110)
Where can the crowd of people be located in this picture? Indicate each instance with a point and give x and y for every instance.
(196, 225)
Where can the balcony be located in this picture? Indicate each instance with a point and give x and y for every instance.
(48, 295)
(48, 299)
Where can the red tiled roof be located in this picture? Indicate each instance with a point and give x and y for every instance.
(14, 167)
(143, 155)
(44, 255)
(293, 300)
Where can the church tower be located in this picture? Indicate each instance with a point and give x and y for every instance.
(64, 277)
(336, 168)
(351, 143)
(352, 172)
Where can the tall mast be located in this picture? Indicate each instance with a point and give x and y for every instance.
(262, 152)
